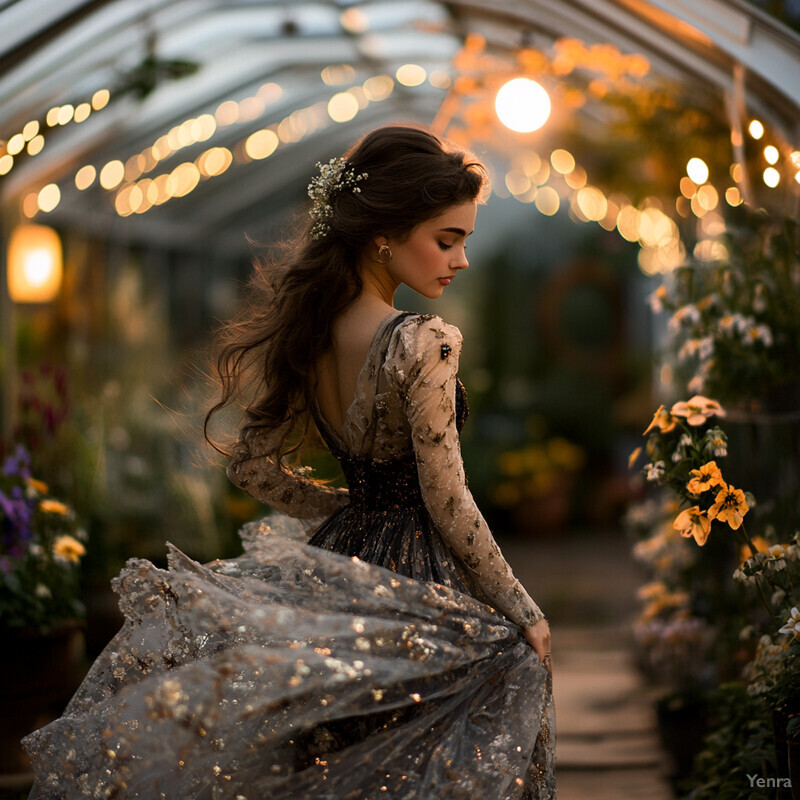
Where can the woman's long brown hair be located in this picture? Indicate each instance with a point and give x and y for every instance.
(268, 351)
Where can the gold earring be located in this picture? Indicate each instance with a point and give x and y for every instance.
(384, 254)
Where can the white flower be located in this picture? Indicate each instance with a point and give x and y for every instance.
(334, 176)
(792, 625)
(778, 596)
(688, 313)
(656, 299)
(716, 443)
(680, 450)
(705, 347)
(758, 333)
(655, 471)
(43, 591)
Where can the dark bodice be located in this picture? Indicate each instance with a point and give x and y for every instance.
(388, 484)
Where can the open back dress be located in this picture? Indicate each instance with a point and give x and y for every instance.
(383, 657)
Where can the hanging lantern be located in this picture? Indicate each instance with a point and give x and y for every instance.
(34, 264)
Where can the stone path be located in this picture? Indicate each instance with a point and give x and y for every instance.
(607, 744)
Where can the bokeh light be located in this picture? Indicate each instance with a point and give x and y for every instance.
(411, 74)
(522, 105)
(697, 170)
(112, 174)
(261, 144)
(49, 197)
(342, 107)
(547, 201)
(771, 177)
(755, 129)
(84, 177)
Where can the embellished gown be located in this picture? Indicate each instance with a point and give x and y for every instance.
(383, 657)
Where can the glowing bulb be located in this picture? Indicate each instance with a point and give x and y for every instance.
(111, 174)
(756, 129)
(772, 177)
(522, 105)
(82, 112)
(261, 144)
(771, 154)
(547, 201)
(15, 144)
(342, 107)
(100, 99)
(49, 197)
(84, 177)
(697, 170)
(562, 161)
(35, 145)
(378, 87)
(411, 74)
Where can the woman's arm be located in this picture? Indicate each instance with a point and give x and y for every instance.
(424, 362)
(255, 468)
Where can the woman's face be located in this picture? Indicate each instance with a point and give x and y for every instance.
(434, 251)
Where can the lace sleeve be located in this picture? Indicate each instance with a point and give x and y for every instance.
(425, 363)
(254, 468)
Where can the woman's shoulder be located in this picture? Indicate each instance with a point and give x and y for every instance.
(419, 337)
(424, 327)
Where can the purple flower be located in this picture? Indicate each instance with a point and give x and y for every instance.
(18, 464)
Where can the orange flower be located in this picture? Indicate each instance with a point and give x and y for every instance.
(68, 548)
(53, 507)
(633, 457)
(40, 487)
(693, 522)
(697, 409)
(704, 478)
(662, 420)
(730, 507)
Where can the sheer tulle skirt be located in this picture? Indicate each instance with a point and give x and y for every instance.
(297, 672)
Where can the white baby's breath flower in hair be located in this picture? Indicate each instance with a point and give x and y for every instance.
(333, 177)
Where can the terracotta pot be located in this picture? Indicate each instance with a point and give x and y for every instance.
(37, 677)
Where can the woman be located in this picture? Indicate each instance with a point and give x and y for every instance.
(394, 654)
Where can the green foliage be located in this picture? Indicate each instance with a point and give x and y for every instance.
(740, 744)
(735, 316)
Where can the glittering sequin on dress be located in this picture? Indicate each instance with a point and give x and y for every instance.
(382, 658)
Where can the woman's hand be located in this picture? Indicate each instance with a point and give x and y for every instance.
(538, 637)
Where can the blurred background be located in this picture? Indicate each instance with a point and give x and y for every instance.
(149, 149)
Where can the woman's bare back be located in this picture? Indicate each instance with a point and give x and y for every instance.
(335, 375)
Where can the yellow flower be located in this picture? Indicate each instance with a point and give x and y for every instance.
(38, 486)
(53, 507)
(693, 522)
(662, 420)
(68, 548)
(704, 478)
(697, 409)
(730, 507)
